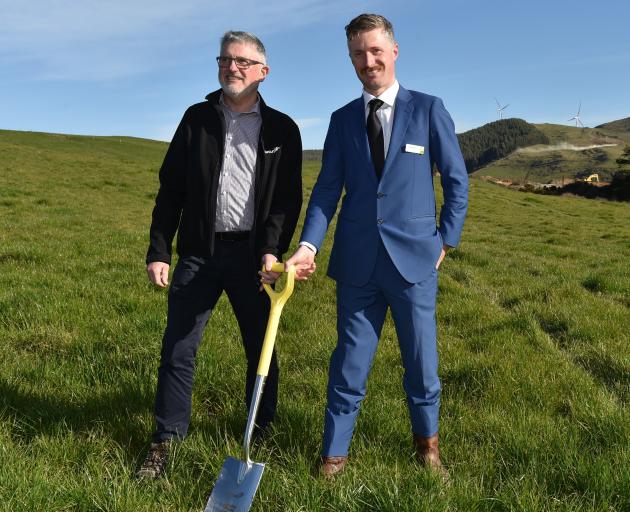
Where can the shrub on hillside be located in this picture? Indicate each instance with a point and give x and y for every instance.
(620, 186)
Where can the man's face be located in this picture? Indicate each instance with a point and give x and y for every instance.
(373, 56)
(235, 81)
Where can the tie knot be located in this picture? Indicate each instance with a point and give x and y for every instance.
(375, 104)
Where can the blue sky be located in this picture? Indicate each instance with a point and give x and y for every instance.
(132, 67)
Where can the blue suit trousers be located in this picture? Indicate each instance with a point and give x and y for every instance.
(360, 316)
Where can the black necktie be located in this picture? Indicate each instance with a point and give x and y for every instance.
(375, 137)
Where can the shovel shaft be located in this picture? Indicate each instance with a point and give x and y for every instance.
(278, 300)
(270, 339)
(251, 419)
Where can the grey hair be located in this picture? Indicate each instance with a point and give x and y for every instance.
(238, 36)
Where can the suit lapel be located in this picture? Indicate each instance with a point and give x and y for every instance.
(402, 115)
(358, 133)
(357, 126)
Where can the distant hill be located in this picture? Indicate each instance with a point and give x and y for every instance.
(505, 149)
(312, 154)
(571, 153)
(496, 140)
(621, 125)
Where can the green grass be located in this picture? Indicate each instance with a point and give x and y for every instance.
(533, 336)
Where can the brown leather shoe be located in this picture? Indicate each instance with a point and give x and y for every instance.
(331, 466)
(428, 454)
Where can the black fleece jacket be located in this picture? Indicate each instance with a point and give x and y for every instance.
(189, 177)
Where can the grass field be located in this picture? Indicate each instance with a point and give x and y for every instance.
(534, 330)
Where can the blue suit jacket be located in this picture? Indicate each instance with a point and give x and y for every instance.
(400, 209)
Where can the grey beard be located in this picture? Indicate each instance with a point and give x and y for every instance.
(228, 91)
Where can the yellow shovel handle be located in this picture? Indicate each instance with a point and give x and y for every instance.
(278, 300)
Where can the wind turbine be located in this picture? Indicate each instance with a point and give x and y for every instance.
(500, 108)
(577, 116)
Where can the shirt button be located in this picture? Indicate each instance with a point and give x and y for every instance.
(380, 221)
(379, 195)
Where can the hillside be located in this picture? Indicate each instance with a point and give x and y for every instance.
(571, 153)
(312, 155)
(621, 125)
(545, 163)
(533, 340)
(496, 140)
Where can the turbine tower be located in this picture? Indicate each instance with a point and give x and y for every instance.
(576, 117)
(500, 108)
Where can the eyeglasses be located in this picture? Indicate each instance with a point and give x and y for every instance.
(241, 62)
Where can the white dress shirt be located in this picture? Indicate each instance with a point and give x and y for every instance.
(386, 112)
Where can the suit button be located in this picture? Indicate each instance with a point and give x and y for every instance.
(379, 195)
(380, 221)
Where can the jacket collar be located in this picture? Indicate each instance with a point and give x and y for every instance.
(214, 97)
(265, 113)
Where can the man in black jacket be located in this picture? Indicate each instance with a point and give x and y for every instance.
(231, 187)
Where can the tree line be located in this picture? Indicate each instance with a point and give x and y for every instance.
(496, 140)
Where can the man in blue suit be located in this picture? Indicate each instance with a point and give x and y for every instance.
(381, 148)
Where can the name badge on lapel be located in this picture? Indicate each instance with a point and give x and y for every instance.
(412, 148)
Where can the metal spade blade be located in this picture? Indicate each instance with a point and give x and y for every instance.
(235, 487)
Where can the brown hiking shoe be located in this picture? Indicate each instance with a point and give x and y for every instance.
(155, 462)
